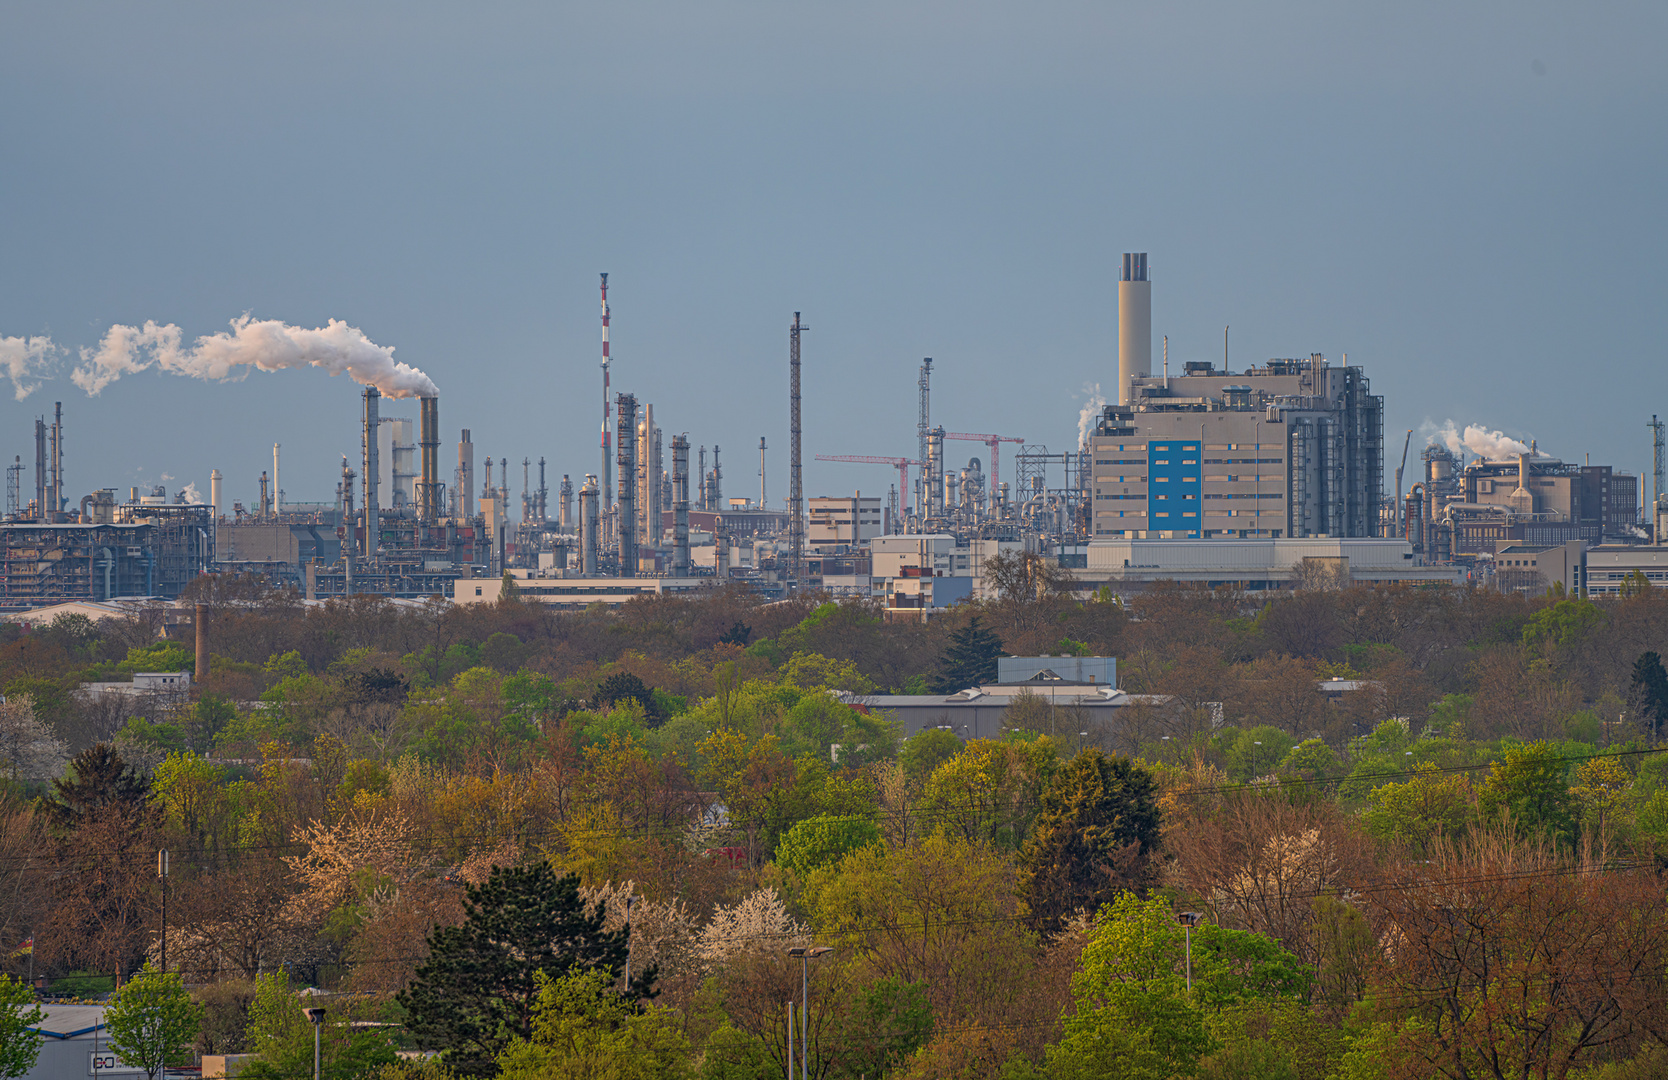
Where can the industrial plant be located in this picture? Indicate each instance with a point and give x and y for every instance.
(1262, 477)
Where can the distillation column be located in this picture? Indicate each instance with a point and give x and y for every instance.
(626, 528)
(680, 506)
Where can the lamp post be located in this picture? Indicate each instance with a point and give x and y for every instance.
(806, 955)
(1189, 919)
(1256, 759)
(162, 876)
(317, 1018)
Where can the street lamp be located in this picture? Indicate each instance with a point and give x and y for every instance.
(1256, 759)
(1189, 919)
(806, 955)
(317, 1018)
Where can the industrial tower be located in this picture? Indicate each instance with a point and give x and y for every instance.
(796, 490)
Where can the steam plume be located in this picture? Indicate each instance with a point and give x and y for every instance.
(1086, 416)
(1479, 440)
(265, 345)
(26, 361)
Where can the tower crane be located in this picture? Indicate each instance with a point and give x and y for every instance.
(901, 463)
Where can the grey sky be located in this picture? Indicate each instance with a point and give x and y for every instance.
(1467, 199)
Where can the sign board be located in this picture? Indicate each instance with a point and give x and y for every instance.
(105, 1063)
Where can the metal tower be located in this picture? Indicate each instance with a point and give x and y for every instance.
(1657, 470)
(923, 430)
(607, 459)
(796, 489)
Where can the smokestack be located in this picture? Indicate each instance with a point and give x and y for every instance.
(214, 491)
(428, 447)
(56, 496)
(588, 526)
(565, 504)
(680, 506)
(1135, 324)
(541, 509)
(277, 497)
(40, 468)
(201, 621)
(763, 502)
(373, 471)
(626, 527)
(466, 477)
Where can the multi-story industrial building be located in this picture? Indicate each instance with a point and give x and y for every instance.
(1291, 449)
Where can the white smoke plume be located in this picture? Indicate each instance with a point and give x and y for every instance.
(26, 361)
(264, 345)
(190, 495)
(1088, 414)
(1479, 440)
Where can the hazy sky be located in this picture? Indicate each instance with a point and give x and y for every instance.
(1468, 199)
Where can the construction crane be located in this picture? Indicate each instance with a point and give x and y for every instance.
(902, 464)
(995, 443)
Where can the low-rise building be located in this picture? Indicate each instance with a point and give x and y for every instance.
(578, 592)
(1256, 565)
(1535, 568)
(1611, 570)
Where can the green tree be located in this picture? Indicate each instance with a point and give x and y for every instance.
(582, 1028)
(480, 987)
(153, 1021)
(282, 1037)
(970, 659)
(1133, 1018)
(98, 780)
(926, 750)
(1528, 785)
(1429, 805)
(1095, 834)
(824, 839)
(18, 1013)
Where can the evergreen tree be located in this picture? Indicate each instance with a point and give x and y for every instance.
(479, 988)
(970, 660)
(98, 779)
(1650, 683)
(1094, 836)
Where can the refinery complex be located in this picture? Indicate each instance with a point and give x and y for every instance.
(1267, 477)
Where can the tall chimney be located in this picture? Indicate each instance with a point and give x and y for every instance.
(214, 491)
(1135, 324)
(40, 468)
(588, 526)
(680, 506)
(466, 477)
(373, 472)
(56, 495)
(277, 499)
(626, 526)
(796, 487)
(428, 447)
(201, 621)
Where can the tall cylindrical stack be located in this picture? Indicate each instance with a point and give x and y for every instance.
(625, 406)
(428, 446)
(1135, 324)
(588, 526)
(680, 506)
(565, 504)
(214, 491)
(373, 471)
(201, 626)
(466, 476)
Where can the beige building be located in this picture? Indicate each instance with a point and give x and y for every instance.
(1290, 449)
(842, 521)
(1533, 569)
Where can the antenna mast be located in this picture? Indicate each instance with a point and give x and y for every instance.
(1657, 472)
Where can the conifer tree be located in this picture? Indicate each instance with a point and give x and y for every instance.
(1650, 683)
(970, 660)
(479, 988)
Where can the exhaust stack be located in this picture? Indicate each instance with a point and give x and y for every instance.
(1135, 324)
(680, 506)
(201, 620)
(429, 497)
(626, 523)
(373, 472)
(588, 526)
